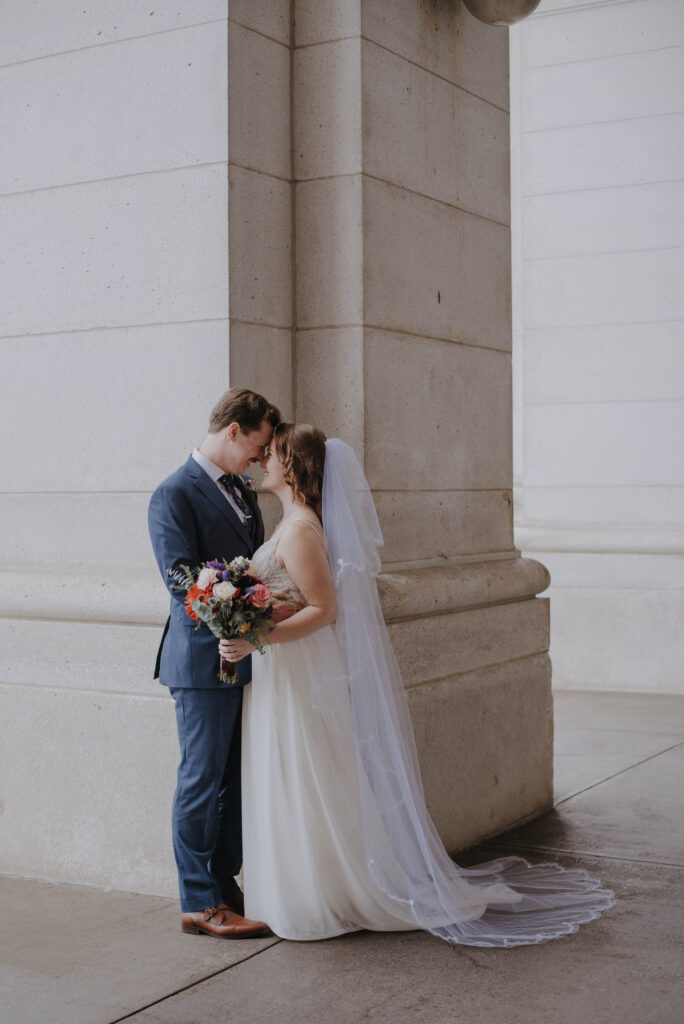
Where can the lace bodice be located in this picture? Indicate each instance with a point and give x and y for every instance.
(270, 571)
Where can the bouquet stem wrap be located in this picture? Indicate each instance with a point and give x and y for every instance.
(227, 672)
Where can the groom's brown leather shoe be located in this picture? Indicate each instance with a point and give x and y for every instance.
(222, 923)
(236, 903)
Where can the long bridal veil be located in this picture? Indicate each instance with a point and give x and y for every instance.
(503, 902)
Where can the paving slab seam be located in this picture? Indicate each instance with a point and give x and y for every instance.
(622, 771)
(193, 984)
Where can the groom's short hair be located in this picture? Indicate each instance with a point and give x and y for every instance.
(239, 405)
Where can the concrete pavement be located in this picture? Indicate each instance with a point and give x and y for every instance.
(76, 955)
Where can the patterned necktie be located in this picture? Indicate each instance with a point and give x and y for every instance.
(228, 481)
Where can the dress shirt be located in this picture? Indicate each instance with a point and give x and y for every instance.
(214, 471)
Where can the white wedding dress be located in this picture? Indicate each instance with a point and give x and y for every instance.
(304, 865)
(336, 833)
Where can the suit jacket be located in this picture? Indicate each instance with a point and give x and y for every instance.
(191, 522)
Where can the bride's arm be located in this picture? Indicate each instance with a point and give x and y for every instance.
(303, 556)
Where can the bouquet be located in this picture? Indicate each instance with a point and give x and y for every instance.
(230, 600)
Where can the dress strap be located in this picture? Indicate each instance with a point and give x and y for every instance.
(314, 526)
(298, 519)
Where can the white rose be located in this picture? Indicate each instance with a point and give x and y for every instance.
(206, 577)
(224, 590)
(241, 564)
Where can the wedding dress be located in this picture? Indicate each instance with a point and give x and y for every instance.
(336, 834)
(304, 867)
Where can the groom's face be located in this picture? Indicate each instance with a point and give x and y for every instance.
(249, 446)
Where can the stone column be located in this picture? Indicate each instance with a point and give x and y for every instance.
(402, 337)
(598, 147)
(371, 295)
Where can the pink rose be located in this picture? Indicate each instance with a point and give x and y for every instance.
(259, 595)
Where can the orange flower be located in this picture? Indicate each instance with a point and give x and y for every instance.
(194, 594)
(244, 628)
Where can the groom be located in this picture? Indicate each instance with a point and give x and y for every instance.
(205, 511)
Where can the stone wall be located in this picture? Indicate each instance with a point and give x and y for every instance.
(598, 181)
(312, 202)
(114, 211)
(403, 347)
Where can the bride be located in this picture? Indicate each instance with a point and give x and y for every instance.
(336, 834)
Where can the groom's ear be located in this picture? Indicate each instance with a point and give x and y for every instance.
(232, 431)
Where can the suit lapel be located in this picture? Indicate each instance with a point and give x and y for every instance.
(210, 491)
(259, 536)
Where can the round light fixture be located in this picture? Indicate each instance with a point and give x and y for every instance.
(501, 12)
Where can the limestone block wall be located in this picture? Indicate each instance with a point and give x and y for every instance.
(261, 206)
(403, 347)
(310, 199)
(115, 335)
(598, 165)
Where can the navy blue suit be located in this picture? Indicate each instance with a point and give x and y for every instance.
(191, 522)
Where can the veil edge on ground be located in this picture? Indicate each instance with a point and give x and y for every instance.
(503, 902)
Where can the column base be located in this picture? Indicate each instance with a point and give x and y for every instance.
(472, 643)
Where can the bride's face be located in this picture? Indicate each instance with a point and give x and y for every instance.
(274, 479)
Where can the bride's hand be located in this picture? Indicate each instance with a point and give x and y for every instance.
(235, 650)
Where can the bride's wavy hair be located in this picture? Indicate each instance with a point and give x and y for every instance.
(301, 450)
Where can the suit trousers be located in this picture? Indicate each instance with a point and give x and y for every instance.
(207, 813)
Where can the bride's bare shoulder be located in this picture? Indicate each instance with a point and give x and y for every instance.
(301, 531)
